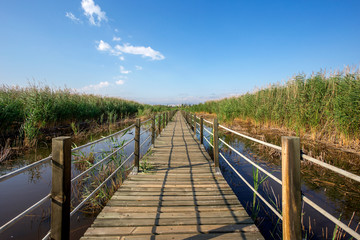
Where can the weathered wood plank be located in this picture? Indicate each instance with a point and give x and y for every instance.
(126, 222)
(174, 198)
(172, 193)
(175, 209)
(217, 236)
(144, 203)
(222, 236)
(193, 214)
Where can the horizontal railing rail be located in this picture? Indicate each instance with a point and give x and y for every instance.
(65, 165)
(47, 159)
(188, 117)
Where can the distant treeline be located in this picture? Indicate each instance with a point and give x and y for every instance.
(319, 103)
(31, 108)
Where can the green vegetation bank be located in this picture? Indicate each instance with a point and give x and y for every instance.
(327, 105)
(27, 110)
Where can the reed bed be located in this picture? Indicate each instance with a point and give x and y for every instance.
(325, 105)
(27, 110)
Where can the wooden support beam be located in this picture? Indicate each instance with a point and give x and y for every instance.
(216, 145)
(159, 124)
(194, 125)
(164, 120)
(61, 188)
(153, 133)
(201, 130)
(291, 188)
(137, 146)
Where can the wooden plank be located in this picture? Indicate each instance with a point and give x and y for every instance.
(144, 203)
(193, 214)
(218, 228)
(172, 193)
(126, 222)
(222, 236)
(177, 189)
(174, 198)
(174, 209)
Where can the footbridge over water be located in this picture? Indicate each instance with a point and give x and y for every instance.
(182, 197)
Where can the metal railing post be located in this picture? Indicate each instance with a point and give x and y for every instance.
(153, 134)
(291, 188)
(61, 188)
(216, 146)
(201, 130)
(137, 146)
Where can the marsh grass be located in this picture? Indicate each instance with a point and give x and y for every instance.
(325, 105)
(83, 160)
(257, 181)
(30, 109)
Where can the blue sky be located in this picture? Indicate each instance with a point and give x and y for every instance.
(177, 51)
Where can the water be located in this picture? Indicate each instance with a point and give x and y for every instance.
(337, 195)
(20, 192)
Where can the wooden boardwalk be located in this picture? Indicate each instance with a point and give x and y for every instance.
(181, 198)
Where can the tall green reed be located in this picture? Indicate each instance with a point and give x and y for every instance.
(321, 103)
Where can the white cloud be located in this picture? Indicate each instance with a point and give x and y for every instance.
(116, 30)
(103, 46)
(126, 48)
(116, 39)
(140, 50)
(120, 82)
(72, 17)
(92, 11)
(138, 67)
(95, 87)
(123, 71)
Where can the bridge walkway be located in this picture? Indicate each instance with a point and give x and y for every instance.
(179, 197)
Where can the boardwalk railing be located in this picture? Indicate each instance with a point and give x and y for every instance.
(60, 158)
(291, 185)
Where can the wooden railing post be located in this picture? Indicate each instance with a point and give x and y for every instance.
(153, 133)
(137, 146)
(164, 120)
(159, 124)
(216, 145)
(291, 188)
(201, 130)
(61, 188)
(194, 125)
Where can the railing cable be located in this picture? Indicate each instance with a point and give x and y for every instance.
(97, 189)
(252, 163)
(331, 218)
(101, 161)
(21, 215)
(248, 184)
